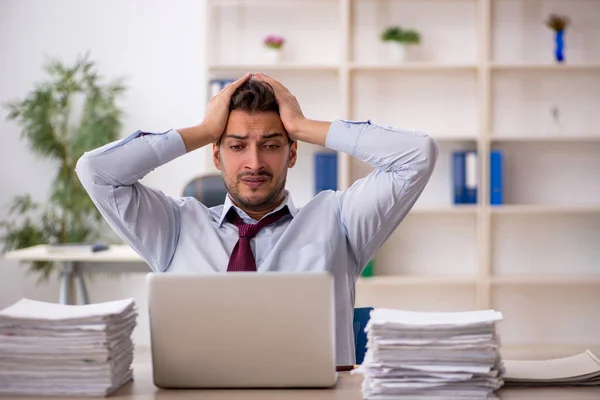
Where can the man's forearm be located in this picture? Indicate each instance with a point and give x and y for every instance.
(196, 137)
(126, 161)
(311, 131)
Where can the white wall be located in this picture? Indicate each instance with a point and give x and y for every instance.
(158, 46)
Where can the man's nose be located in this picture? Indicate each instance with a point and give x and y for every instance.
(254, 159)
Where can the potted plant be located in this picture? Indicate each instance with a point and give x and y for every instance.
(558, 24)
(71, 112)
(273, 45)
(397, 39)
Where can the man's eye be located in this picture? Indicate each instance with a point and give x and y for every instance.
(236, 147)
(272, 146)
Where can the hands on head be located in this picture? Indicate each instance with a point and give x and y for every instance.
(217, 111)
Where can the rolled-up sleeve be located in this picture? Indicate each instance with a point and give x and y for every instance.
(145, 218)
(373, 207)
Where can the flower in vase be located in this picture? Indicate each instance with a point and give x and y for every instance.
(274, 42)
(558, 24)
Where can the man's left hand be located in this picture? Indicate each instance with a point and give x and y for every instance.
(289, 109)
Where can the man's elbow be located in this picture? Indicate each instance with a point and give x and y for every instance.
(429, 150)
(85, 170)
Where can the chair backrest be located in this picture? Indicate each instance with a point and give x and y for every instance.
(208, 189)
(361, 318)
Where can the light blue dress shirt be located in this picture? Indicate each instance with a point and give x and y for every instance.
(337, 231)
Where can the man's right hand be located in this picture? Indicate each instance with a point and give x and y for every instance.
(215, 119)
(217, 110)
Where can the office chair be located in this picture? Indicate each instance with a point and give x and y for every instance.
(361, 318)
(207, 189)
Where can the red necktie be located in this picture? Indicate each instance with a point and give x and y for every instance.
(242, 258)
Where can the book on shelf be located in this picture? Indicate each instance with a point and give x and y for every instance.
(465, 177)
(578, 370)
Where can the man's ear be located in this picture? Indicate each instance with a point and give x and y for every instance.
(293, 154)
(215, 154)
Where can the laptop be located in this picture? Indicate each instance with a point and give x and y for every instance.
(242, 330)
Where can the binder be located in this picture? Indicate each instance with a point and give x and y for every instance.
(326, 175)
(496, 178)
(465, 176)
(471, 177)
(458, 177)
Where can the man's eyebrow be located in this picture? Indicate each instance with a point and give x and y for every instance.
(242, 137)
(272, 135)
(236, 136)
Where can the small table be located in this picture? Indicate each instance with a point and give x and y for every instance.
(72, 265)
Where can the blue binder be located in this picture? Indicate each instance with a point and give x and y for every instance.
(496, 178)
(464, 176)
(458, 177)
(326, 175)
(471, 177)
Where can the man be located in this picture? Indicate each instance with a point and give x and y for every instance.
(254, 125)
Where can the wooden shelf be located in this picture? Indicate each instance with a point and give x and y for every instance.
(273, 67)
(545, 139)
(391, 280)
(282, 3)
(545, 209)
(459, 87)
(450, 209)
(413, 66)
(546, 67)
(549, 280)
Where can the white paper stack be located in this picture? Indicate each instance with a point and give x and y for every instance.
(49, 349)
(432, 355)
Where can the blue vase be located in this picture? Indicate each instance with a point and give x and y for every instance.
(559, 46)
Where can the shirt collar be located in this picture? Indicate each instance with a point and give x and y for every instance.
(228, 204)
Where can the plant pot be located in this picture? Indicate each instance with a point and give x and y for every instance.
(273, 55)
(397, 51)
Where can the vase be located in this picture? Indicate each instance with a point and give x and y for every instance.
(397, 51)
(559, 46)
(273, 55)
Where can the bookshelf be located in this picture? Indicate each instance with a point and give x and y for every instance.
(483, 78)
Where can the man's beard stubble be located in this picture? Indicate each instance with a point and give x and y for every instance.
(270, 199)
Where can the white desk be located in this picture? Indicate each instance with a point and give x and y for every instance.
(72, 268)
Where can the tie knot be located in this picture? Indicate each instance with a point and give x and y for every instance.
(250, 230)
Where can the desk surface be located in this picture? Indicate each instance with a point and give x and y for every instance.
(347, 388)
(115, 253)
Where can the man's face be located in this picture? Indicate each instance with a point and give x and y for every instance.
(254, 156)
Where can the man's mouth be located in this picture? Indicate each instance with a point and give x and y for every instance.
(255, 181)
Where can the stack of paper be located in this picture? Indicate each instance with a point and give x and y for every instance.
(578, 370)
(432, 355)
(54, 349)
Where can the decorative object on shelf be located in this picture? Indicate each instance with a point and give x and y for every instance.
(70, 113)
(555, 128)
(397, 39)
(496, 178)
(369, 270)
(464, 173)
(558, 23)
(208, 189)
(274, 45)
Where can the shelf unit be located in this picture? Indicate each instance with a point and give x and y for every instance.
(483, 78)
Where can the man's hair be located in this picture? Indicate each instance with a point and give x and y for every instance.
(254, 96)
